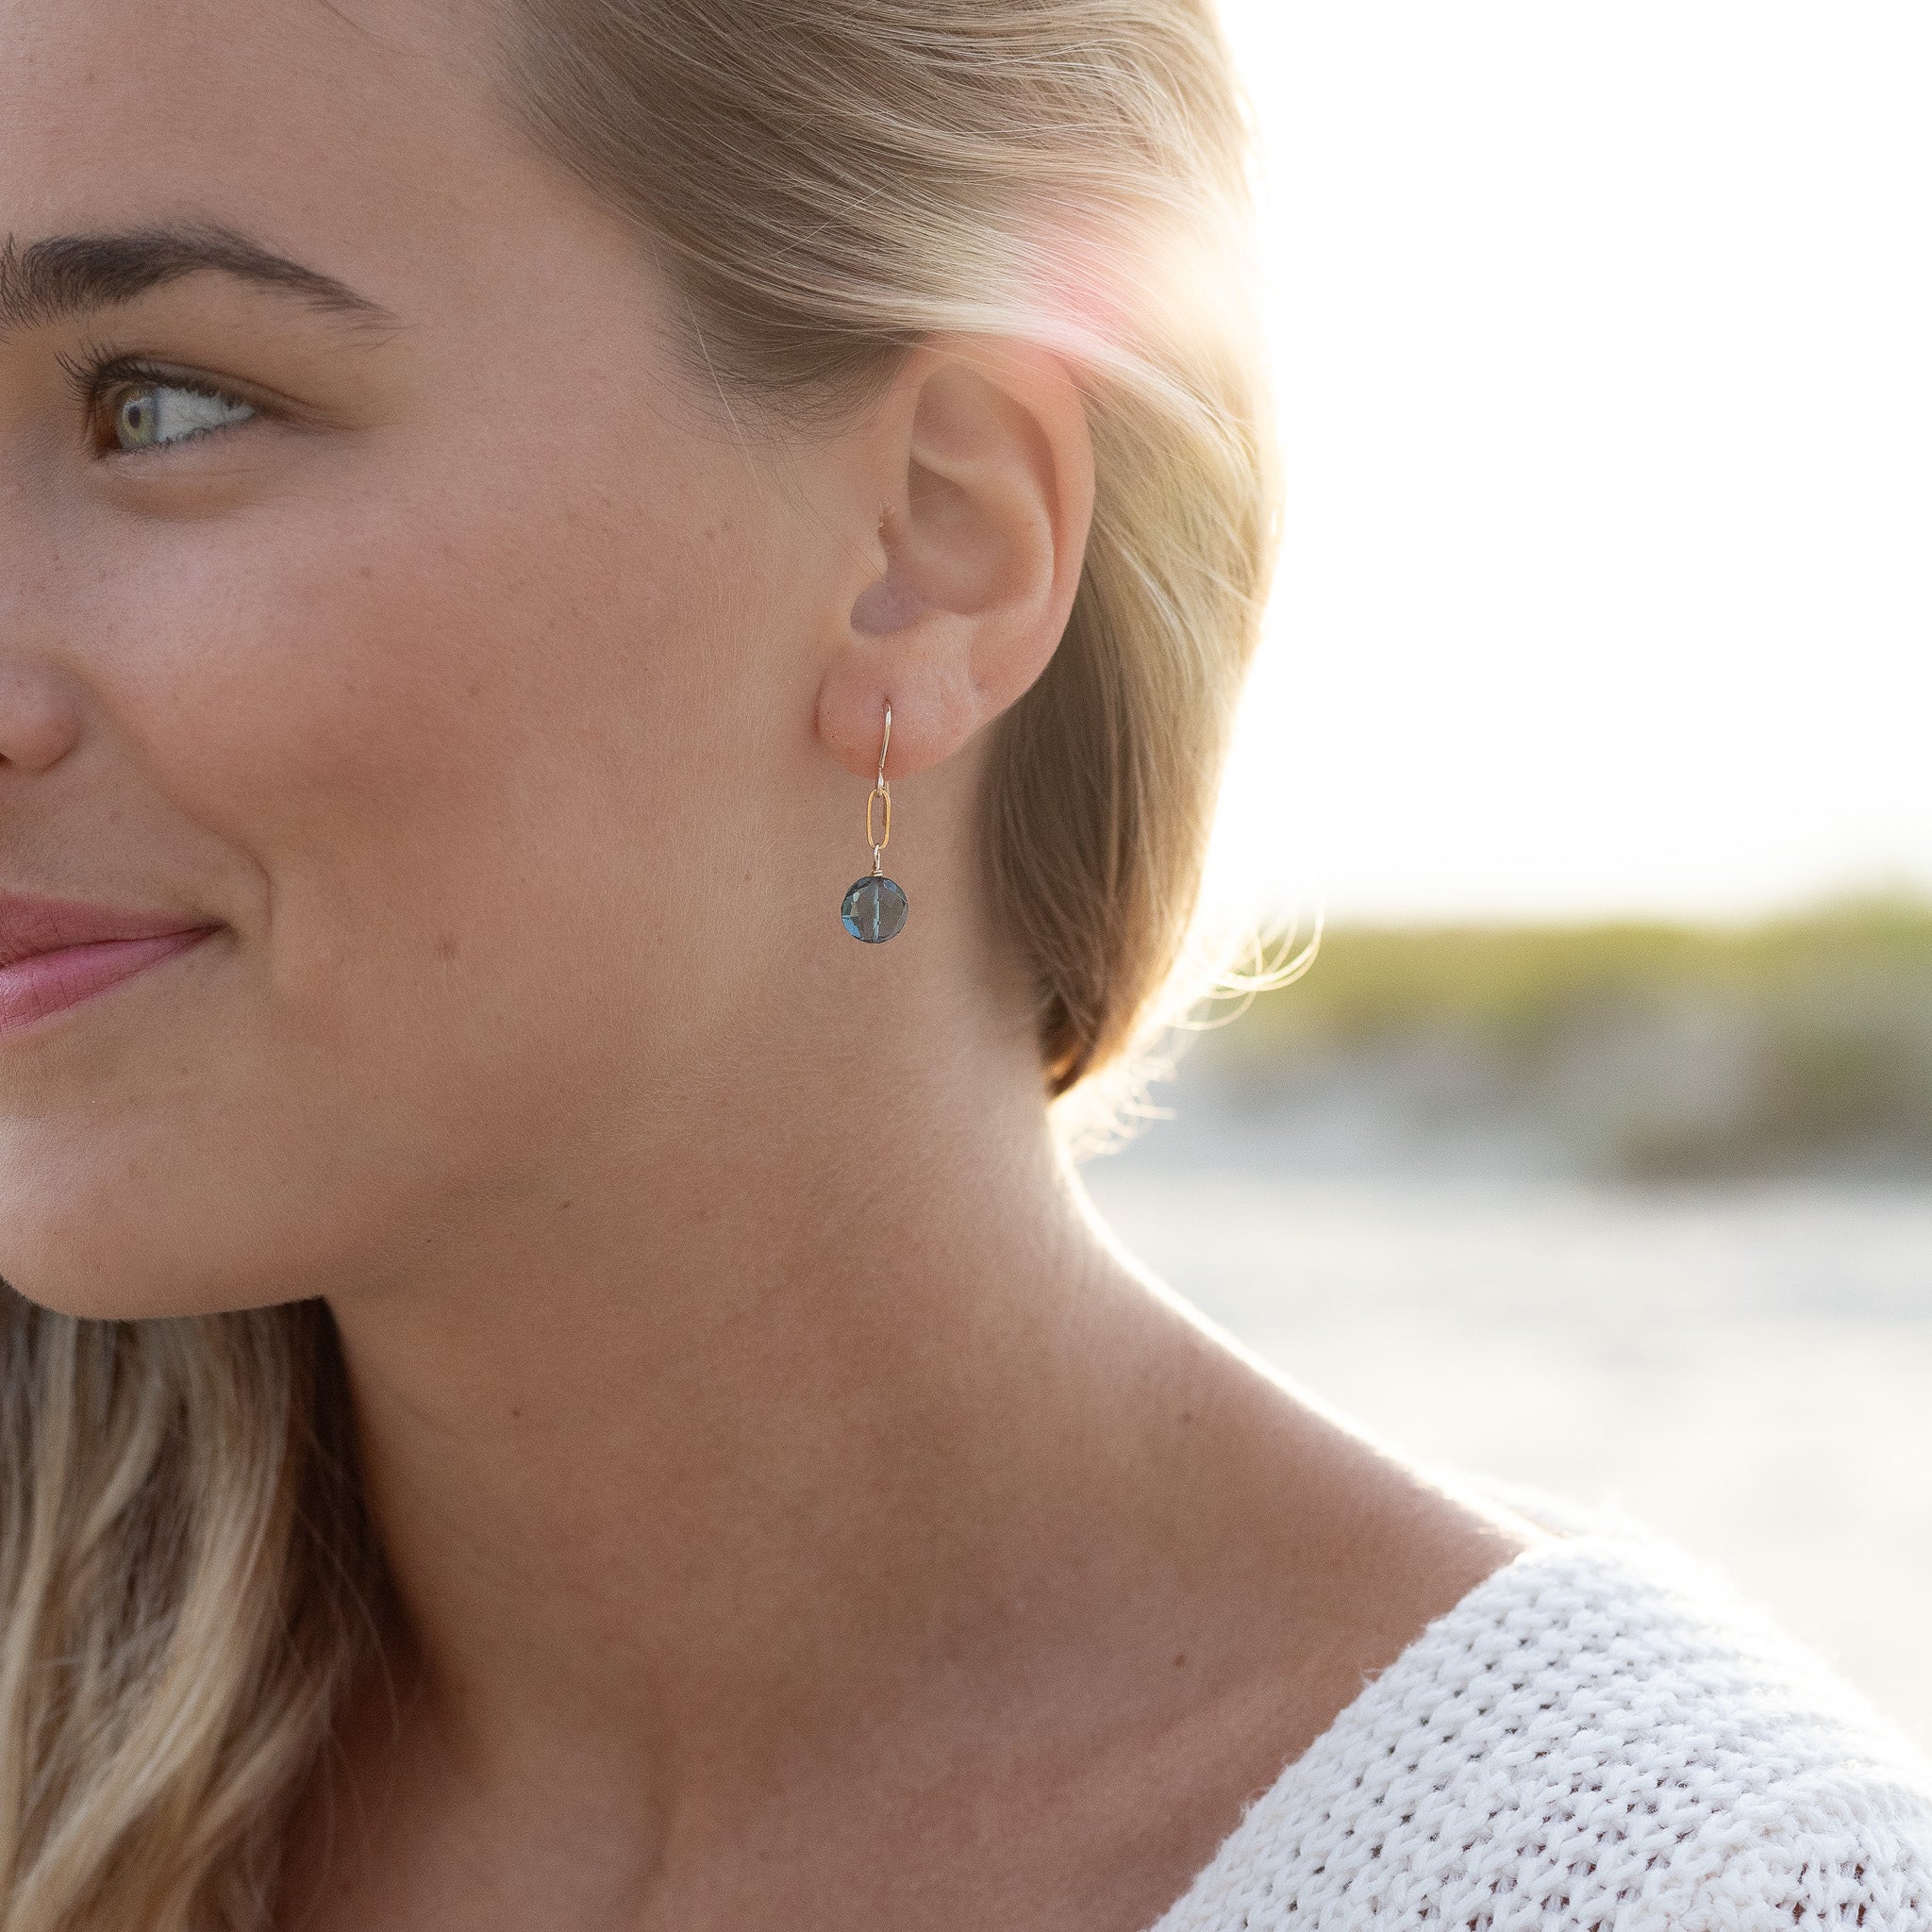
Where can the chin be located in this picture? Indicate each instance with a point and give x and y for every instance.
(99, 1299)
(87, 1279)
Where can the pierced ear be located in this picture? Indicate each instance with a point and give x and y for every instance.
(981, 455)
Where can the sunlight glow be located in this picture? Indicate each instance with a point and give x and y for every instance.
(1601, 337)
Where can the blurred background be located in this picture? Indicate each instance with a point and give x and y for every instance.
(1594, 1150)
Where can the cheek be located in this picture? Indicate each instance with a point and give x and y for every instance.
(471, 763)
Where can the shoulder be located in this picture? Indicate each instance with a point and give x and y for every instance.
(1602, 1735)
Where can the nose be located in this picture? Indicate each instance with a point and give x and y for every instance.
(40, 707)
(37, 723)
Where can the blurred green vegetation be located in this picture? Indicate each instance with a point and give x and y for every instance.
(1647, 1050)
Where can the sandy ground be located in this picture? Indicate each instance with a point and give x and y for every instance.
(1750, 1371)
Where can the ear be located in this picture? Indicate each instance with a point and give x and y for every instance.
(977, 465)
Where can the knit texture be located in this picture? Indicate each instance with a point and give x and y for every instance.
(1603, 1737)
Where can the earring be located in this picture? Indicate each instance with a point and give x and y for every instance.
(875, 909)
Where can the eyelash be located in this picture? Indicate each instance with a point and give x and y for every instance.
(96, 371)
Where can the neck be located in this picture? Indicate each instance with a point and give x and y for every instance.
(744, 1458)
(799, 1495)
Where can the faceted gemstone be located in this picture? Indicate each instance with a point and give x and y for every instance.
(875, 910)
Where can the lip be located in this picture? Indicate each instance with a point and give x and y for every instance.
(55, 953)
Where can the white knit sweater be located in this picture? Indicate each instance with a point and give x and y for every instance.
(1600, 1738)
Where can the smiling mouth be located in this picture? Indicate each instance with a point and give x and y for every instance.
(44, 984)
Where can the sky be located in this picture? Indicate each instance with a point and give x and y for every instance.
(1602, 352)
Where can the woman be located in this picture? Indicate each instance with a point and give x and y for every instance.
(620, 621)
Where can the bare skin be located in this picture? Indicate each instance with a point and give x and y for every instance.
(801, 1513)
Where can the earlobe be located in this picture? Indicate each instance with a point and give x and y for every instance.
(935, 708)
(981, 453)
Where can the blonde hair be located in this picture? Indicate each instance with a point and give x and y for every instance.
(185, 1567)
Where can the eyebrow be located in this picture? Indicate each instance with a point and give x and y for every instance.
(64, 277)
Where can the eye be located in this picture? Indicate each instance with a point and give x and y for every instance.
(154, 414)
(135, 407)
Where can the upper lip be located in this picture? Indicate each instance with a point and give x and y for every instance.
(29, 925)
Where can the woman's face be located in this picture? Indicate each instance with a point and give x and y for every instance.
(434, 643)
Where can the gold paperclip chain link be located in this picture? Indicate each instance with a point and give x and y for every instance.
(882, 793)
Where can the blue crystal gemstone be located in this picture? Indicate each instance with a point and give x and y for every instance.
(875, 910)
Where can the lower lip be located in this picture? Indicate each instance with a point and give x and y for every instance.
(49, 983)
